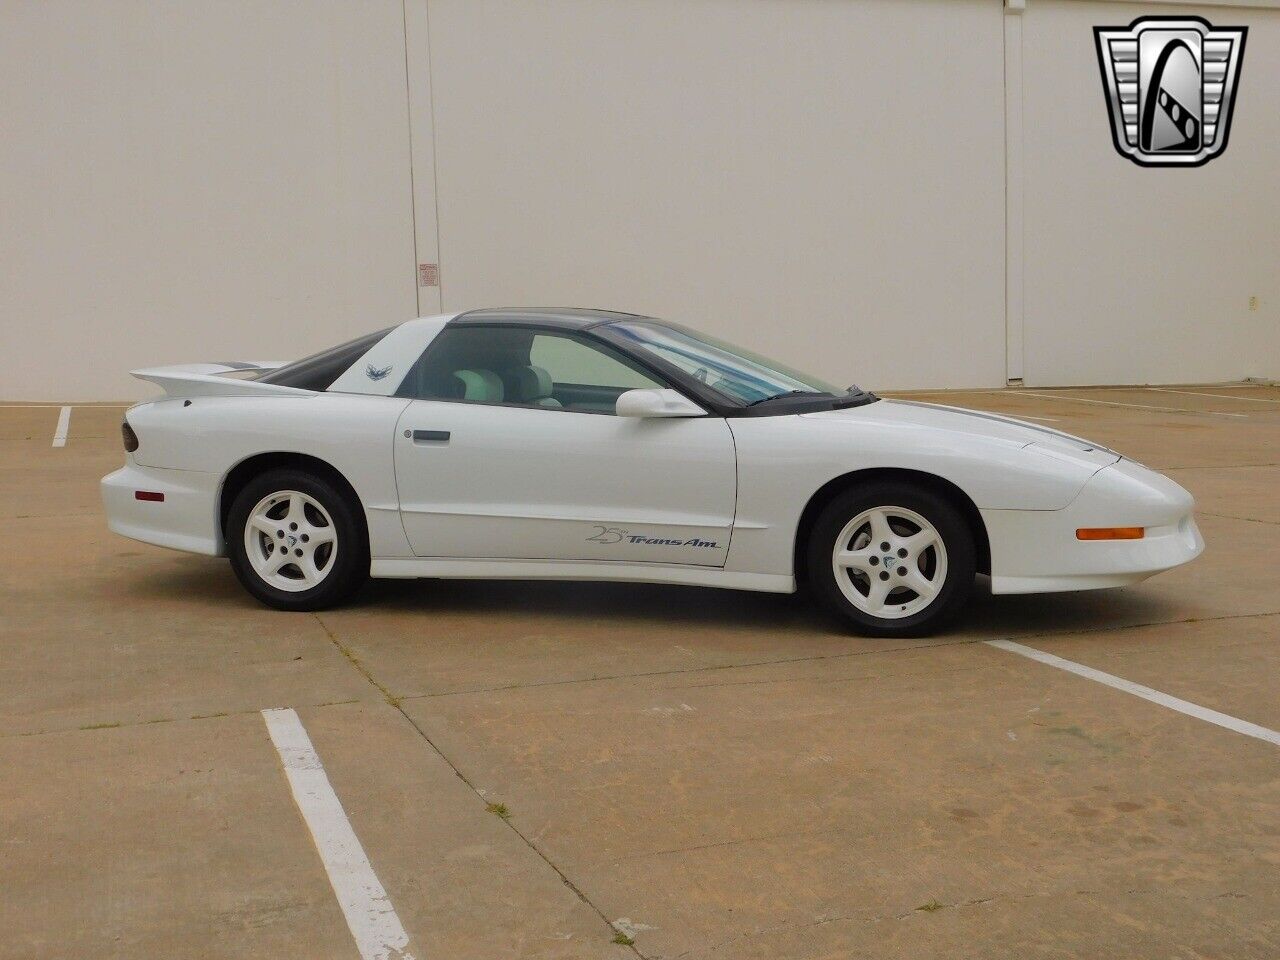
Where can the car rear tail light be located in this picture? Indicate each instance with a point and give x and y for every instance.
(155, 496)
(1110, 533)
(130, 438)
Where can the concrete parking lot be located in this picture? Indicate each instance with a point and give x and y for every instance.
(540, 770)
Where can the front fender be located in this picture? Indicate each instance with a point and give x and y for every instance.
(783, 461)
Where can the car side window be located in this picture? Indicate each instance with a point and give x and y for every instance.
(526, 367)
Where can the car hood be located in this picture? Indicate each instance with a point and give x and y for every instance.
(913, 415)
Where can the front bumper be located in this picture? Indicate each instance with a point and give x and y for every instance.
(187, 519)
(1036, 551)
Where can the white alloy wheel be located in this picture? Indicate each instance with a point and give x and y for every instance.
(291, 541)
(890, 562)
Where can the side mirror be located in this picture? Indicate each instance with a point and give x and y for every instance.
(657, 403)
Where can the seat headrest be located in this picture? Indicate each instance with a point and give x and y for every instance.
(482, 385)
(527, 384)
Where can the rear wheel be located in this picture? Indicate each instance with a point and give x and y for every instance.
(295, 541)
(892, 559)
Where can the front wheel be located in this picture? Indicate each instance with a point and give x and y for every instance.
(295, 541)
(892, 559)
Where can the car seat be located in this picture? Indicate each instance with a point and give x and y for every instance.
(484, 386)
(531, 385)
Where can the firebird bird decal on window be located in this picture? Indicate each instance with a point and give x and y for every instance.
(376, 373)
(617, 535)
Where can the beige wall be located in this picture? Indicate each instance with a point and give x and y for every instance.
(1137, 275)
(196, 181)
(900, 192)
(821, 181)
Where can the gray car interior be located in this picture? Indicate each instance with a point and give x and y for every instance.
(488, 365)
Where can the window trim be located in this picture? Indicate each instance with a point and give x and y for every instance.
(585, 336)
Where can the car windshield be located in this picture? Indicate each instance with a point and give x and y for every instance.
(740, 376)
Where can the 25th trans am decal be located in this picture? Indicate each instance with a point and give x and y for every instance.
(617, 535)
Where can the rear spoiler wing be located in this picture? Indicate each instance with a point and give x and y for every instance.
(215, 380)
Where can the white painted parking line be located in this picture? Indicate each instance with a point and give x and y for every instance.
(1146, 693)
(60, 432)
(377, 930)
(1117, 403)
(1215, 396)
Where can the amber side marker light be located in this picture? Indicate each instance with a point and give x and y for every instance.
(1110, 533)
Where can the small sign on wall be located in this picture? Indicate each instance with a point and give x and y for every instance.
(428, 274)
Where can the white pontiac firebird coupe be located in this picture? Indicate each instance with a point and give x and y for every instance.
(588, 445)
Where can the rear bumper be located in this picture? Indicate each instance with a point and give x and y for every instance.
(187, 519)
(1037, 551)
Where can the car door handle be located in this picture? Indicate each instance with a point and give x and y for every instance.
(431, 436)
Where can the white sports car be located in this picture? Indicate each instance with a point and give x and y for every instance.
(583, 444)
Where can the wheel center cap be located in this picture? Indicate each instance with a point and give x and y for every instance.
(293, 541)
(889, 561)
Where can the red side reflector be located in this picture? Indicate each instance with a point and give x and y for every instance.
(153, 495)
(1110, 533)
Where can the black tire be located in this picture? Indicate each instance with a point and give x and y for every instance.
(960, 557)
(349, 566)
